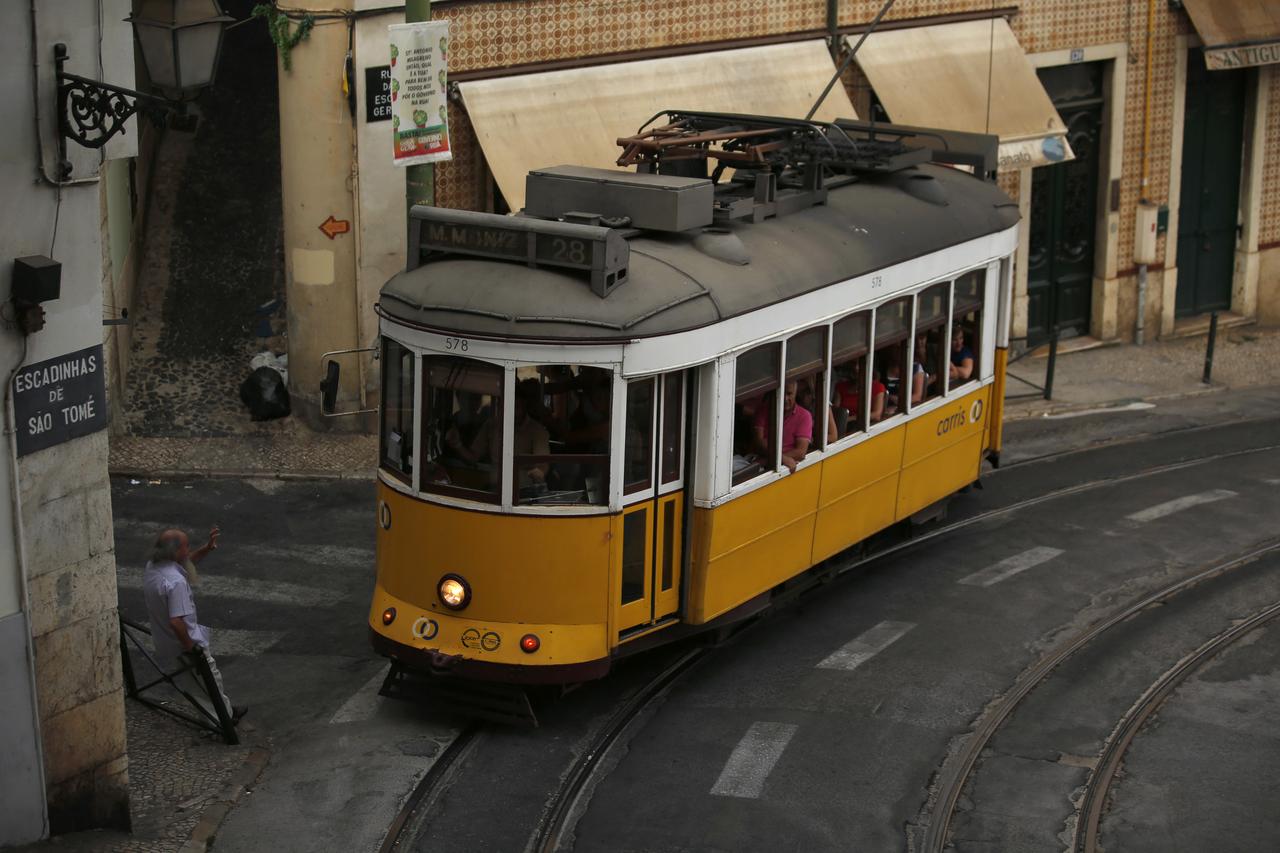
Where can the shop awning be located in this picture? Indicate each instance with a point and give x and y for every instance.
(576, 116)
(1237, 33)
(970, 76)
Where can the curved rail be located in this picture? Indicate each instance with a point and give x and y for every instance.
(954, 777)
(560, 808)
(1099, 784)
(424, 792)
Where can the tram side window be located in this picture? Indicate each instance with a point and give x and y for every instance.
(966, 331)
(561, 454)
(462, 428)
(929, 358)
(396, 439)
(755, 412)
(637, 456)
(849, 339)
(893, 329)
(803, 415)
(672, 426)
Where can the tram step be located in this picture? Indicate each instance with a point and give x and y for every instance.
(500, 703)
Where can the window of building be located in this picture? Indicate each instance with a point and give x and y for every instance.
(396, 433)
(561, 452)
(462, 428)
(807, 368)
(890, 364)
(966, 330)
(929, 355)
(755, 412)
(849, 406)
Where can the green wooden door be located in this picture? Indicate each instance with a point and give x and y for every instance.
(1064, 205)
(1208, 209)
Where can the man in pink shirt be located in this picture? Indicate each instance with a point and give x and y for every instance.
(797, 427)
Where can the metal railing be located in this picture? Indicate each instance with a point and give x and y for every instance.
(1045, 390)
(219, 721)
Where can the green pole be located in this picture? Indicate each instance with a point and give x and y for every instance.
(420, 180)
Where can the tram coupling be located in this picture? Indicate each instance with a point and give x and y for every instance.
(493, 701)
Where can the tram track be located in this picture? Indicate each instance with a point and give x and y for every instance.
(1099, 784)
(563, 806)
(958, 769)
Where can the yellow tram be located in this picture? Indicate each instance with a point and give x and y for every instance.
(594, 415)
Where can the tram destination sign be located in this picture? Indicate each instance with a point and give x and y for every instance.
(59, 399)
(537, 242)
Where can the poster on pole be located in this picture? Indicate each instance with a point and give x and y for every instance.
(419, 89)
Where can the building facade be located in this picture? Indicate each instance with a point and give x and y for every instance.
(1147, 123)
(63, 763)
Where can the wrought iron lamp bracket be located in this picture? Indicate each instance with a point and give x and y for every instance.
(91, 112)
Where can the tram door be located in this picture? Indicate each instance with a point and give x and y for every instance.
(653, 494)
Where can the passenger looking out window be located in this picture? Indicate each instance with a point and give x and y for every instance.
(461, 427)
(806, 366)
(919, 375)
(757, 372)
(849, 339)
(797, 427)
(961, 357)
(932, 310)
(572, 406)
(893, 330)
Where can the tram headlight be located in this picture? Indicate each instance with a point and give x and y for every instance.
(455, 593)
(388, 616)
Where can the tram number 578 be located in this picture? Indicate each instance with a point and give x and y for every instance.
(458, 344)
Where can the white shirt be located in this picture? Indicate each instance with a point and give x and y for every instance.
(168, 596)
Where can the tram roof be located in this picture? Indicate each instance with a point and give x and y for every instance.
(675, 286)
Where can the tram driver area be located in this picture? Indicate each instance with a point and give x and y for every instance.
(560, 437)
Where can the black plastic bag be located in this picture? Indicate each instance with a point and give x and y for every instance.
(264, 392)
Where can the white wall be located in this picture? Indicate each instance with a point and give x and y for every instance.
(100, 46)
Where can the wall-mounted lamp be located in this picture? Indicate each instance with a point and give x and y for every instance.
(180, 41)
(36, 279)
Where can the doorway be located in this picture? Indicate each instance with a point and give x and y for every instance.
(1208, 207)
(653, 497)
(1064, 204)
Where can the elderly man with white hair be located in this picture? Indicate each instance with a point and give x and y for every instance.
(171, 608)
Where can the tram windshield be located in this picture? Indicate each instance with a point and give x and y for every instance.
(462, 428)
(568, 407)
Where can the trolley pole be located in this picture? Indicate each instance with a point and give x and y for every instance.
(419, 180)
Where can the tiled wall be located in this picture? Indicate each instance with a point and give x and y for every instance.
(1270, 231)
(497, 34)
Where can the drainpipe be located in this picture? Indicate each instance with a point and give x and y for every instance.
(1146, 167)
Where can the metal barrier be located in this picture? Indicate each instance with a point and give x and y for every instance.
(1045, 390)
(219, 722)
(1208, 348)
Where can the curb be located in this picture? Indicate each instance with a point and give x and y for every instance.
(211, 818)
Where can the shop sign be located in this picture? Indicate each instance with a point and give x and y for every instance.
(59, 399)
(419, 85)
(1222, 59)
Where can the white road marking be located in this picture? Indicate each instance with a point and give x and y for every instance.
(1011, 566)
(864, 647)
(363, 704)
(214, 585)
(752, 760)
(1179, 504)
(234, 641)
(227, 641)
(1272, 482)
(1102, 410)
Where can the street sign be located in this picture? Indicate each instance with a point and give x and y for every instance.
(60, 399)
(377, 93)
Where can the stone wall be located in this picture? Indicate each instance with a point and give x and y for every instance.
(66, 510)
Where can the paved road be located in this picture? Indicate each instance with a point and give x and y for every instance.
(819, 729)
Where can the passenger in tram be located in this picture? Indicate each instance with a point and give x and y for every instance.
(893, 381)
(530, 439)
(745, 457)
(797, 426)
(470, 417)
(588, 425)
(849, 396)
(805, 397)
(920, 378)
(961, 357)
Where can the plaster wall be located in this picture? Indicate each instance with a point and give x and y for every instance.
(57, 565)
